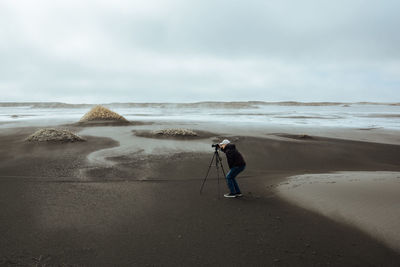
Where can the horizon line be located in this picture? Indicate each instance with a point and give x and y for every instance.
(199, 102)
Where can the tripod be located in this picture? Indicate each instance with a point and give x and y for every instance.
(218, 163)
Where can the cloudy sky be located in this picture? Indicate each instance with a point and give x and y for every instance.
(184, 51)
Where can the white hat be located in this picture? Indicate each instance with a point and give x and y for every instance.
(225, 142)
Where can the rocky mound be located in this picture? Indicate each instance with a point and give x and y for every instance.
(175, 132)
(54, 135)
(100, 113)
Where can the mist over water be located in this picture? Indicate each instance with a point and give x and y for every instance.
(356, 115)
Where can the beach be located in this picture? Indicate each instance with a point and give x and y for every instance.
(368, 200)
(126, 198)
(199, 133)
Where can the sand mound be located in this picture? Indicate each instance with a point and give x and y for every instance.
(100, 113)
(296, 136)
(175, 132)
(54, 135)
(304, 136)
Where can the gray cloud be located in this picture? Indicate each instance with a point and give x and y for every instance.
(102, 51)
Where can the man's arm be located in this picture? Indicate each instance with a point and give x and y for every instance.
(230, 156)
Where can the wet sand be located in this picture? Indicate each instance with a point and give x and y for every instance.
(60, 207)
(368, 200)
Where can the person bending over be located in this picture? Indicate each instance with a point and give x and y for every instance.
(236, 165)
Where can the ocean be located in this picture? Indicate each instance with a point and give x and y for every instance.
(363, 115)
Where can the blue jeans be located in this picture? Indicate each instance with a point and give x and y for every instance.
(231, 181)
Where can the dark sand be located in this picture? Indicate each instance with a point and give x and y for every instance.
(56, 210)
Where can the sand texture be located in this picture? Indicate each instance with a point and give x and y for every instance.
(175, 132)
(100, 113)
(54, 135)
(124, 200)
(368, 200)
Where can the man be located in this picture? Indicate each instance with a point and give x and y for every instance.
(236, 165)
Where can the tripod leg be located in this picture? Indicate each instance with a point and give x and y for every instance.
(219, 160)
(216, 165)
(222, 166)
(205, 178)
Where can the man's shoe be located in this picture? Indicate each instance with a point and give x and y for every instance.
(239, 194)
(229, 195)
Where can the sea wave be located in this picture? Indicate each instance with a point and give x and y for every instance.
(310, 117)
(381, 116)
(206, 104)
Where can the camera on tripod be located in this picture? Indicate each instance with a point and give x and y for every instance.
(215, 145)
(218, 164)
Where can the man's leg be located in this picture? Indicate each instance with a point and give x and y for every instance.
(235, 184)
(229, 180)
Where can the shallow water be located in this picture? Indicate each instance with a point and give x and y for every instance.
(132, 144)
(363, 116)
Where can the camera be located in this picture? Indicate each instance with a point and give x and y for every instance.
(215, 145)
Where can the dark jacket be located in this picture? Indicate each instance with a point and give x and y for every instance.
(235, 159)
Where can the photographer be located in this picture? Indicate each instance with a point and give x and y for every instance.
(236, 165)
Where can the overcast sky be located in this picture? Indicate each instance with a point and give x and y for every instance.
(185, 51)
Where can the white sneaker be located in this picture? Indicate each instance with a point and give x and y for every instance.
(229, 195)
(239, 195)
